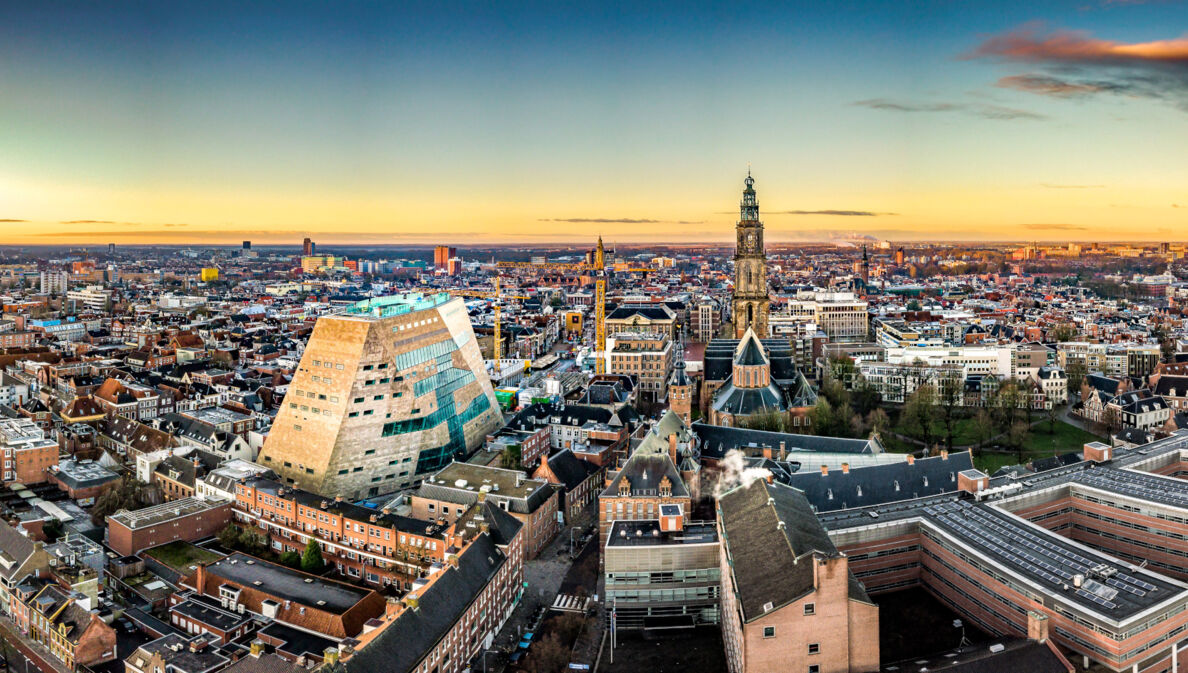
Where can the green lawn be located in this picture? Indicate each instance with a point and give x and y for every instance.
(1065, 438)
(181, 555)
(1040, 444)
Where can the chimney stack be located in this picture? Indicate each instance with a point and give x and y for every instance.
(1037, 626)
(783, 451)
(257, 648)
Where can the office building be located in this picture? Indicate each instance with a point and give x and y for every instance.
(663, 573)
(442, 255)
(307, 247)
(647, 356)
(388, 389)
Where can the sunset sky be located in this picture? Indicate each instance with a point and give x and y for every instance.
(463, 123)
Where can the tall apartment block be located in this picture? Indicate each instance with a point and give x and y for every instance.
(388, 389)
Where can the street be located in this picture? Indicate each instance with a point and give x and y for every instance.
(30, 658)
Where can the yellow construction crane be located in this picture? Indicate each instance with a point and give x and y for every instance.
(599, 269)
(498, 350)
(600, 311)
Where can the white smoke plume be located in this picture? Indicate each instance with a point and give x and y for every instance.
(734, 472)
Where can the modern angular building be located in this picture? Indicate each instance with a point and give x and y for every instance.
(387, 390)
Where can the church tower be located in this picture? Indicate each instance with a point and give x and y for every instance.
(750, 303)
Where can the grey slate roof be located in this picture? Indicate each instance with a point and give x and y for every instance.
(570, 469)
(13, 546)
(750, 518)
(878, 484)
(716, 440)
(402, 644)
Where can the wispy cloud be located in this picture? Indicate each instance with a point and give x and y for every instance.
(10, 220)
(1051, 185)
(1054, 227)
(842, 213)
(125, 224)
(1074, 64)
(983, 110)
(615, 220)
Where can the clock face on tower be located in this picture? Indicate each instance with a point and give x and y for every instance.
(751, 240)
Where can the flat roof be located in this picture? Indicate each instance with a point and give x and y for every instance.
(289, 585)
(648, 533)
(176, 509)
(1052, 561)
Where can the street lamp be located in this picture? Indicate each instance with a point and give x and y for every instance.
(485, 652)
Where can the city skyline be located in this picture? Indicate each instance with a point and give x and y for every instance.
(531, 124)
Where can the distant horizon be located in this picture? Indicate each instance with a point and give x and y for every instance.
(583, 244)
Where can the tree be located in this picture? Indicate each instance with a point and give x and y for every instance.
(823, 418)
(919, 413)
(1052, 414)
(1016, 436)
(768, 421)
(291, 559)
(949, 405)
(983, 428)
(312, 561)
(878, 421)
(1076, 372)
(1064, 332)
(548, 655)
(126, 493)
(1111, 421)
(913, 305)
(509, 458)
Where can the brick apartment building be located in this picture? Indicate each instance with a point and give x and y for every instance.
(380, 548)
(451, 491)
(26, 456)
(244, 583)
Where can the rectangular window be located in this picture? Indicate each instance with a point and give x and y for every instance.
(353, 414)
(369, 412)
(810, 608)
(358, 400)
(368, 368)
(814, 668)
(378, 397)
(814, 648)
(769, 632)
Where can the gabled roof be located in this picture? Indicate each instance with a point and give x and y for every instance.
(767, 526)
(401, 645)
(643, 473)
(878, 484)
(570, 470)
(749, 350)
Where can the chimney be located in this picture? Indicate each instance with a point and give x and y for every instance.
(845, 468)
(911, 459)
(257, 648)
(824, 470)
(767, 452)
(770, 478)
(330, 655)
(783, 451)
(1037, 626)
(672, 448)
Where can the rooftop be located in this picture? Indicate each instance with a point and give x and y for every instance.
(286, 584)
(648, 534)
(151, 516)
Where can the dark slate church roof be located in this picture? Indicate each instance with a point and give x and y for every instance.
(748, 401)
(878, 484)
(716, 440)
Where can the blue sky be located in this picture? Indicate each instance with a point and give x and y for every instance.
(398, 120)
